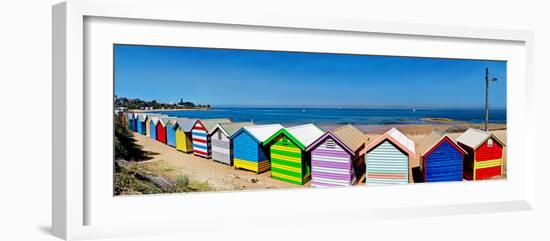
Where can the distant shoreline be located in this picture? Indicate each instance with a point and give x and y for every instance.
(163, 110)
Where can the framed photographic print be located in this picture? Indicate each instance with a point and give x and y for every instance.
(186, 118)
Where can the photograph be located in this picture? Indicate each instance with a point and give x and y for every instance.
(194, 119)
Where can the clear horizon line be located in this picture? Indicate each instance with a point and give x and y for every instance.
(358, 107)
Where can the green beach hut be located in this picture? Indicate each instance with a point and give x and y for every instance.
(290, 162)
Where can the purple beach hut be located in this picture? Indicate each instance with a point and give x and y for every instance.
(337, 157)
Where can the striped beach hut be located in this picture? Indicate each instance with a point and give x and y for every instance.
(441, 159)
(140, 123)
(290, 162)
(201, 140)
(387, 158)
(148, 119)
(337, 157)
(184, 140)
(249, 152)
(130, 119)
(221, 144)
(484, 154)
(161, 129)
(170, 125)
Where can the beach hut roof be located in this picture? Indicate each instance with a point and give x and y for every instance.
(131, 115)
(396, 137)
(260, 132)
(426, 144)
(474, 138)
(185, 124)
(156, 119)
(350, 136)
(302, 135)
(166, 120)
(230, 128)
(209, 124)
(306, 134)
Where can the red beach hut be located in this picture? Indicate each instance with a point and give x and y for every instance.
(484, 154)
(161, 131)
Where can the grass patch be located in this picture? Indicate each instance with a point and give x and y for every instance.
(184, 184)
(126, 182)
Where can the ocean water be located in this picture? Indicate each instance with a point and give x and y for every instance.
(325, 116)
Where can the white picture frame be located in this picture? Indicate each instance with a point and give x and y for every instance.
(78, 195)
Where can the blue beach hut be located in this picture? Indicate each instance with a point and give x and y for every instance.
(140, 123)
(441, 159)
(171, 130)
(153, 127)
(248, 150)
(130, 120)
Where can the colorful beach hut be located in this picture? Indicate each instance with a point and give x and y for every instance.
(154, 120)
(484, 154)
(387, 158)
(337, 156)
(221, 144)
(201, 140)
(161, 129)
(249, 152)
(148, 119)
(170, 125)
(441, 159)
(184, 139)
(290, 162)
(130, 119)
(140, 123)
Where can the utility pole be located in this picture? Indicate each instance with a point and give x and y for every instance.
(487, 79)
(486, 99)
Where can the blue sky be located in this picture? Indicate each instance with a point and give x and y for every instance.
(222, 78)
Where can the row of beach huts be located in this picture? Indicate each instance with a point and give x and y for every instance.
(336, 157)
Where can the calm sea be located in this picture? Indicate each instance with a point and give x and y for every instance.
(323, 116)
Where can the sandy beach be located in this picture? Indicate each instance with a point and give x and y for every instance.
(171, 163)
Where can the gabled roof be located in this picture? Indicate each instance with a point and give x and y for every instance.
(302, 135)
(166, 120)
(426, 144)
(229, 129)
(259, 132)
(351, 136)
(130, 115)
(209, 124)
(185, 124)
(156, 119)
(474, 138)
(306, 134)
(397, 138)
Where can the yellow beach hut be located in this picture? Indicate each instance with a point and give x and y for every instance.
(184, 140)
